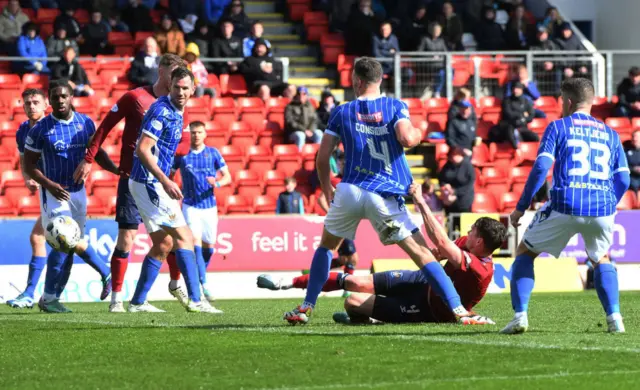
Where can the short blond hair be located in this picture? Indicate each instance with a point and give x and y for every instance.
(171, 61)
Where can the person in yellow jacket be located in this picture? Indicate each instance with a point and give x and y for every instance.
(199, 71)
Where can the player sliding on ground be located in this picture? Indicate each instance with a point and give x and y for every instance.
(157, 196)
(60, 139)
(405, 296)
(374, 130)
(590, 176)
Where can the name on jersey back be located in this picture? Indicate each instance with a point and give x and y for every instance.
(589, 132)
(372, 130)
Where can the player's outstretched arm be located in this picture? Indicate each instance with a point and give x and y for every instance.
(327, 146)
(105, 162)
(145, 155)
(407, 135)
(621, 173)
(445, 247)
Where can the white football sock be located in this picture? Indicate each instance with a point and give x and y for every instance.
(173, 284)
(49, 297)
(115, 297)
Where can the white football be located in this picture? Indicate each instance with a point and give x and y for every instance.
(63, 233)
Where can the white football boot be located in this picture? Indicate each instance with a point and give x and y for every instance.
(117, 307)
(181, 295)
(146, 307)
(614, 323)
(519, 324)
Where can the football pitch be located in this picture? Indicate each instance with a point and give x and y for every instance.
(249, 347)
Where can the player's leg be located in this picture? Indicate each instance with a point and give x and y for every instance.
(597, 233)
(209, 238)
(195, 220)
(36, 266)
(348, 256)
(65, 274)
(336, 281)
(161, 246)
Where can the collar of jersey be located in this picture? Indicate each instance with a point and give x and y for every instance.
(199, 151)
(174, 107)
(73, 115)
(369, 97)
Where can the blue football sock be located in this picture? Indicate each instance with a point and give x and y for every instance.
(606, 283)
(54, 268)
(522, 281)
(35, 270)
(442, 284)
(64, 274)
(318, 275)
(202, 268)
(207, 253)
(186, 260)
(90, 256)
(148, 275)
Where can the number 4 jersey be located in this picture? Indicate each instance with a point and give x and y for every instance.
(587, 155)
(374, 159)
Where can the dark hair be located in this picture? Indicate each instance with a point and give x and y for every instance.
(368, 70)
(257, 22)
(386, 22)
(195, 124)
(578, 89)
(492, 232)
(634, 71)
(170, 60)
(59, 84)
(32, 92)
(290, 179)
(181, 72)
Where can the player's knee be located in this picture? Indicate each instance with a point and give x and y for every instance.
(37, 240)
(125, 239)
(354, 301)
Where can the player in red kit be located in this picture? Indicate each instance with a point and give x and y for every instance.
(405, 296)
(132, 106)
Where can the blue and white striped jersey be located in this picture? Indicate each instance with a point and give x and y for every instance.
(374, 159)
(163, 122)
(587, 155)
(195, 167)
(62, 145)
(21, 135)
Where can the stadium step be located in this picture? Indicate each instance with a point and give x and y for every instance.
(262, 7)
(283, 38)
(315, 93)
(310, 82)
(266, 17)
(303, 61)
(275, 28)
(415, 160)
(311, 72)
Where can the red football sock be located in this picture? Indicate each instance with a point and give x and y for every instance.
(349, 269)
(118, 269)
(174, 271)
(331, 285)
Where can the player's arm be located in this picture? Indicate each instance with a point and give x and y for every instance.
(145, 155)
(105, 162)
(445, 247)
(323, 165)
(621, 173)
(406, 134)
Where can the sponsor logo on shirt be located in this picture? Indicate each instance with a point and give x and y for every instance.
(115, 108)
(373, 117)
(29, 140)
(156, 124)
(405, 112)
(79, 126)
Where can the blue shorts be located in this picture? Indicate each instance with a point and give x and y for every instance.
(127, 214)
(347, 248)
(401, 296)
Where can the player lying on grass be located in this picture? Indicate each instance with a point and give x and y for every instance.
(405, 296)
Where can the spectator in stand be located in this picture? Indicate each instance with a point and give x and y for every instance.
(340, 13)
(114, 22)
(202, 36)
(434, 42)
(68, 69)
(530, 89)
(30, 44)
(144, 67)
(94, 38)
(263, 75)
(241, 22)
(169, 37)
(489, 34)
(257, 29)
(180, 9)
(412, 29)
(290, 201)
(227, 46)
(463, 95)
(519, 31)
(385, 45)
(327, 104)
(457, 178)
(214, 9)
(568, 41)
(58, 42)
(199, 71)
(461, 128)
(37, 4)
(552, 22)
(137, 16)
(11, 22)
(300, 120)
(451, 27)
(633, 159)
(68, 22)
(430, 196)
(361, 26)
(517, 112)
(629, 95)
(546, 70)
(102, 6)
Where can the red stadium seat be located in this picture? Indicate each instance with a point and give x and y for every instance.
(246, 177)
(101, 179)
(250, 104)
(621, 125)
(223, 105)
(46, 15)
(547, 104)
(517, 188)
(436, 105)
(10, 81)
(120, 39)
(7, 208)
(198, 105)
(235, 86)
(437, 122)
(287, 159)
(95, 206)
(274, 190)
(480, 156)
(538, 125)
(29, 80)
(234, 157)
(491, 117)
(277, 104)
(262, 204)
(415, 106)
(236, 204)
(508, 201)
(628, 201)
(11, 179)
(489, 104)
(501, 151)
(484, 202)
(520, 174)
(493, 175)
(28, 206)
(309, 151)
(527, 153)
(104, 194)
(216, 140)
(141, 36)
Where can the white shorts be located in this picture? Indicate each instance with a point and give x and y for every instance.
(75, 207)
(550, 231)
(351, 204)
(156, 208)
(202, 222)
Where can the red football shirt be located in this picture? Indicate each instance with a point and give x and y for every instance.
(471, 281)
(131, 106)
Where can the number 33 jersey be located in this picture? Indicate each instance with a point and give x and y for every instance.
(587, 156)
(374, 159)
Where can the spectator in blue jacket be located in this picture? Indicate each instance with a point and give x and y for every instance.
(290, 201)
(31, 45)
(257, 29)
(214, 9)
(385, 45)
(530, 89)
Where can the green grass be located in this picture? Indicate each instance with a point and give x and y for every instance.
(249, 347)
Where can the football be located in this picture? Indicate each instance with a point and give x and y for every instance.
(63, 233)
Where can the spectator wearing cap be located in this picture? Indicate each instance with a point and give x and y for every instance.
(199, 71)
(457, 178)
(169, 37)
(241, 22)
(633, 160)
(517, 112)
(300, 120)
(68, 22)
(461, 128)
(263, 75)
(451, 26)
(144, 67)
(58, 42)
(489, 34)
(11, 21)
(30, 44)
(462, 95)
(68, 69)
(385, 45)
(257, 29)
(530, 89)
(227, 46)
(94, 38)
(629, 95)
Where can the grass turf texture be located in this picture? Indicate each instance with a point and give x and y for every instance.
(249, 347)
